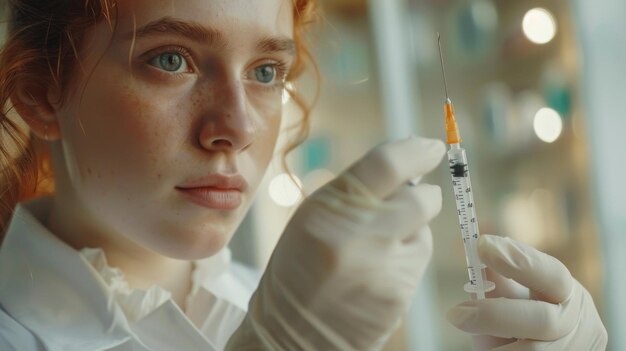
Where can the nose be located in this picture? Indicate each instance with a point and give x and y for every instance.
(227, 124)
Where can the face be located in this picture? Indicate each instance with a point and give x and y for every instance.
(176, 124)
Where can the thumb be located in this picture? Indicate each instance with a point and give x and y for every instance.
(546, 277)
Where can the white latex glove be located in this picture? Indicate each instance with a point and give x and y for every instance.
(560, 314)
(350, 259)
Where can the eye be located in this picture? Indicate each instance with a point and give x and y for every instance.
(265, 74)
(170, 62)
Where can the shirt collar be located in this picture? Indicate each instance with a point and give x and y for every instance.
(46, 286)
(54, 292)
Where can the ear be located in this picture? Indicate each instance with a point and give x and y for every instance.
(32, 103)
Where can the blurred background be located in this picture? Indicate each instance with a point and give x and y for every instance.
(534, 85)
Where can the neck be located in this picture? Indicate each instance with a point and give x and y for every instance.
(142, 267)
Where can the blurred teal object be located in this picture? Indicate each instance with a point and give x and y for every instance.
(560, 99)
(497, 111)
(476, 23)
(556, 89)
(316, 154)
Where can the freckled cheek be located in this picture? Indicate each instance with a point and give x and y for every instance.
(124, 137)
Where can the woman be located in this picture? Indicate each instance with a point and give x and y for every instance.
(155, 121)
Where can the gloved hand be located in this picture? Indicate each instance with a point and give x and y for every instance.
(560, 314)
(350, 259)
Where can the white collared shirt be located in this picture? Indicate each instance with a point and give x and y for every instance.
(55, 298)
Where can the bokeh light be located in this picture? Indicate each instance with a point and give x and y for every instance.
(283, 191)
(539, 25)
(548, 124)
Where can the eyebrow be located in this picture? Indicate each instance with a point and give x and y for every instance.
(279, 44)
(210, 36)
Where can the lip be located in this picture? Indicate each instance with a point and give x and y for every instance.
(215, 191)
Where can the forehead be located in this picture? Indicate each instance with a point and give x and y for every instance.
(262, 17)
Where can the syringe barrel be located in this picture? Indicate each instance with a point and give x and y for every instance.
(468, 221)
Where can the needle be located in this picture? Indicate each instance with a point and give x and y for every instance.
(443, 71)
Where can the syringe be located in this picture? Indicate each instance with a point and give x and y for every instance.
(465, 206)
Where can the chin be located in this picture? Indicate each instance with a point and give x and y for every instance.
(194, 245)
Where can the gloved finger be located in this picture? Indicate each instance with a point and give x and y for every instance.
(418, 250)
(421, 238)
(407, 210)
(511, 318)
(505, 287)
(389, 166)
(403, 266)
(546, 277)
(413, 253)
(530, 345)
(488, 342)
(597, 342)
(519, 345)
